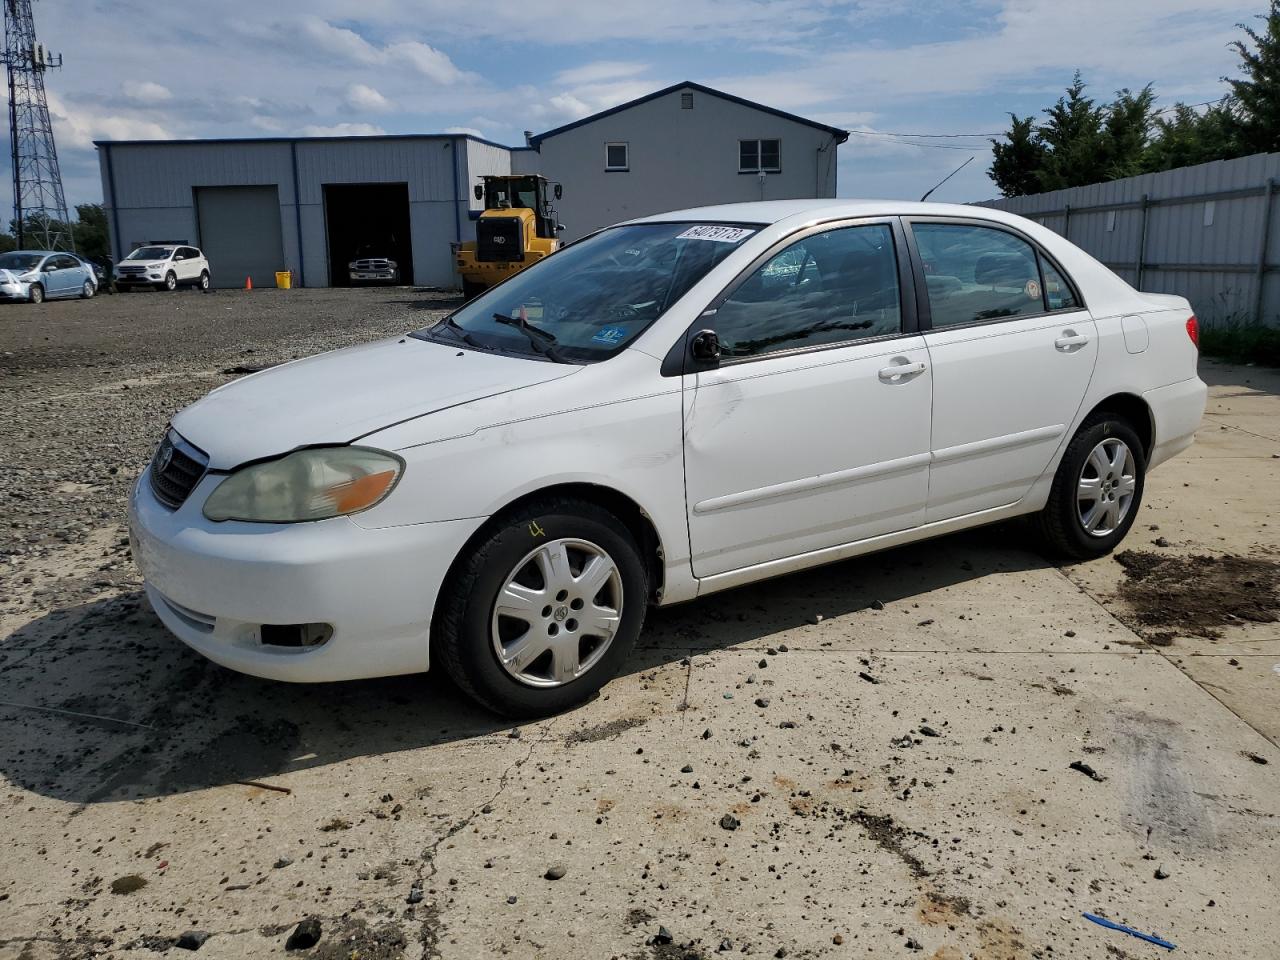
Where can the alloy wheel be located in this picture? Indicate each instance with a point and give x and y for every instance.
(557, 613)
(1105, 488)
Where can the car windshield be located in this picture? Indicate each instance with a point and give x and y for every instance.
(591, 299)
(20, 261)
(150, 253)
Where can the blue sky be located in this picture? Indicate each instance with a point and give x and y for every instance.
(235, 68)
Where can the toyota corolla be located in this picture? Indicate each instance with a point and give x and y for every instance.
(663, 409)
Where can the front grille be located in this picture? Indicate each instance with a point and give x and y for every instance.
(176, 468)
(372, 265)
(499, 238)
(133, 269)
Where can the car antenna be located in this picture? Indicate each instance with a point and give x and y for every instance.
(947, 177)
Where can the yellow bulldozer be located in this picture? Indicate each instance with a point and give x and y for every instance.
(518, 227)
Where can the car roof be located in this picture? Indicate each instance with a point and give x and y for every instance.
(776, 211)
(43, 253)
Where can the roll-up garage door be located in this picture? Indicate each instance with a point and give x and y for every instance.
(240, 234)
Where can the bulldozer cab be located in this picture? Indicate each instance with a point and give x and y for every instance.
(528, 192)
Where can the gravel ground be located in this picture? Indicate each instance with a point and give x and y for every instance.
(89, 386)
(946, 751)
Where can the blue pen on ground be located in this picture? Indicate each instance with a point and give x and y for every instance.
(1103, 921)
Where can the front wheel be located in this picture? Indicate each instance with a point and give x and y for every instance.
(471, 289)
(36, 293)
(544, 609)
(88, 290)
(1096, 491)
(170, 282)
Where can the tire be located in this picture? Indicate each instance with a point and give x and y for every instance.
(1064, 523)
(170, 282)
(35, 294)
(469, 629)
(204, 281)
(471, 289)
(88, 290)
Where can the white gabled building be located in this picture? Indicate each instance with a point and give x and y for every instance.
(307, 204)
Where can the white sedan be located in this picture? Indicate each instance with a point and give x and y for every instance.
(666, 408)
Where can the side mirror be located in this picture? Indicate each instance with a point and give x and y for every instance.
(705, 347)
(479, 192)
(559, 191)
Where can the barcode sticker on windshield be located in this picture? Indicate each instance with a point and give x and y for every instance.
(716, 233)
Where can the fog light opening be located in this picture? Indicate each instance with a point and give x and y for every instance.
(295, 634)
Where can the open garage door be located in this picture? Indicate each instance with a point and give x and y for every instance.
(240, 234)
(366, 220)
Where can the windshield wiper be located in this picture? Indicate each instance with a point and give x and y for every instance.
(461, 333)
(541, 340)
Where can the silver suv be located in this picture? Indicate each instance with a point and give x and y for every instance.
(163, 266)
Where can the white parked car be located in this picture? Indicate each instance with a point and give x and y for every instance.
(163, 266)
(663, 409)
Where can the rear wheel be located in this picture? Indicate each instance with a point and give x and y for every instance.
(1096, 491)
(544, 610)
(88, 290)
(204, 281)
(36, 293)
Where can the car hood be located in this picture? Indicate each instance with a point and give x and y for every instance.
(341, 396)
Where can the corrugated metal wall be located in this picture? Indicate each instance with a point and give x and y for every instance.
(1208, 233)
(149, 191)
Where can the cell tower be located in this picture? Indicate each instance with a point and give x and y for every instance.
(39, 207)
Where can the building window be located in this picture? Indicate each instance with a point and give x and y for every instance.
(757, 155)
(616, 157)
(686, 101)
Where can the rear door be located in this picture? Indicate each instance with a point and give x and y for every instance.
(813, 430)
(1012, 350)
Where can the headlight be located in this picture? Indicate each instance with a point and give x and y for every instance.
(391, 264)
(29, 277)
(351, 266)
(306, 485)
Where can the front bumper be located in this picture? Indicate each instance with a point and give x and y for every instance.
(15, 291)
(215, 585)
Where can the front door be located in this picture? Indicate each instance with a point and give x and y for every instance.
(1012, 352)
(814, 429)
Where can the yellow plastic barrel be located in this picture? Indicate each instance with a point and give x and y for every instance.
(284, 280)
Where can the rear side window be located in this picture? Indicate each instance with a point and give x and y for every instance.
(1057, 291)
(977, 273)
(831, 287)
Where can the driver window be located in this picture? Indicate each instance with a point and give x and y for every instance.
(832, 287)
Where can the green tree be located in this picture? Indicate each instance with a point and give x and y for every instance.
(91, 231)
(1075, 140)
(1127, 130)
(1182, 137)
(1016, 163)
(1257, 93)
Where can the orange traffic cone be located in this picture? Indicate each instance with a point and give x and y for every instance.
(248, 283)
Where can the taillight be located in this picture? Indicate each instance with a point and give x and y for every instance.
(1193, 330)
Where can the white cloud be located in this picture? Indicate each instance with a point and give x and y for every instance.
(470, 131)
(363, 97)
(145, 91)
(600, 70)
(76, 128)
(348, 45)
(343, 130)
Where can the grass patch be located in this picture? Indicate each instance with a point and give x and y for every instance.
(1241, 341)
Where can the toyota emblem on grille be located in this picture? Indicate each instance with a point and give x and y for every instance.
(164, 456)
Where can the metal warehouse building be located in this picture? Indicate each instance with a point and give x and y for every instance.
(310, 205)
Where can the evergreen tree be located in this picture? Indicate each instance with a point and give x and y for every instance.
(1258, 92)
(1074, 140)
(1017, 161)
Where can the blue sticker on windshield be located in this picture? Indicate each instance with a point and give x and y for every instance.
(610, 336)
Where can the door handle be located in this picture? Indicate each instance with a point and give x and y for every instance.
(897, 372)
(1070, 339)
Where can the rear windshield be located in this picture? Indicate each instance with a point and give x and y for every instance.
(20, 261)
(591, 299)
(150, 253)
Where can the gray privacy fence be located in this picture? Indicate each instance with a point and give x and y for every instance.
(1208, 233)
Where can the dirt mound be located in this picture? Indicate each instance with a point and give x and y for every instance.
(1198, 595)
